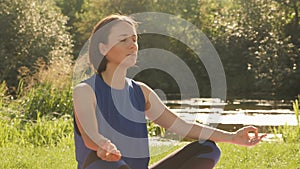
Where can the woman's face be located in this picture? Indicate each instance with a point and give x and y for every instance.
(122, 45)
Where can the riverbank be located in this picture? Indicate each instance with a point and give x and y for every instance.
(48, 143)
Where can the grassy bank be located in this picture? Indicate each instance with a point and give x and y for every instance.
(264, 156)
(36, 132)
(48, 144)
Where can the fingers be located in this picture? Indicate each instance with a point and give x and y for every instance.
(104, 155)
(255, 140)
(244, 136)
(109, 156)
(101, 153)
(251, 129)
(262, 136)
(109, 152)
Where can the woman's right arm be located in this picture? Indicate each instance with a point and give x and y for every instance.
(84, 101)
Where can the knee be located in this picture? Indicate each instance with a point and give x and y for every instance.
(215, 152)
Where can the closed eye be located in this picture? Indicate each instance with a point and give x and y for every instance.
(123, 40)
(134, 39)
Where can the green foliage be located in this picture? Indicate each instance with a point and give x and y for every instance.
(46, 100)
(30, 29)
(72, 9)
(291, 134)
(273, 54)
(92, 11)
(155, 130)
(42, 132)
(255, 31)
(296, 109)
(3, 96)
(258, 41)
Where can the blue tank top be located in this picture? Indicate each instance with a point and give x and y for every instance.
(121, 118)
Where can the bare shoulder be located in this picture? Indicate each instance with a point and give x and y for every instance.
(146, 89)
(82, 88)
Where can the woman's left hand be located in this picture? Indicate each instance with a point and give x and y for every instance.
(109, 152)
(242, 137)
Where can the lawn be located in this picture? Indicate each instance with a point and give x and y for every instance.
(275, 155)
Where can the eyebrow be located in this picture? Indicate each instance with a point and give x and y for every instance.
(127, 35)
(123, 35)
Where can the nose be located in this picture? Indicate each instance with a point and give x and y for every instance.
(133, 45)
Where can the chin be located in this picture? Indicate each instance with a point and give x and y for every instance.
(130, 61)
(127, 64)
(131, 64)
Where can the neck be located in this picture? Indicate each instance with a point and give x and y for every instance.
(114, 76)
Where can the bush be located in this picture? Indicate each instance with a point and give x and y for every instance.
(47, 101)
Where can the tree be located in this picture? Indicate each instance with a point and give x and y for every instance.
(257, 40)
(258, 30)
(71, 9)
(93, 11)
(31, 30)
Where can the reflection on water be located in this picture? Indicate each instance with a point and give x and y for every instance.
(240, 118)
(237, 112)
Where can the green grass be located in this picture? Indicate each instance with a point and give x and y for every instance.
(158, 152)
(42, 132)
(275, 155)
(263, 156)
(33, 137)
(48, 144)
(18, 157)
(41, 144)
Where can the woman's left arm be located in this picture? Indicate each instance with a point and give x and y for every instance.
(157, 112)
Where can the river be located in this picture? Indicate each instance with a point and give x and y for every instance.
(234, 114)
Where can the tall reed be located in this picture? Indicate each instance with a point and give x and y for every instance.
(3, 96)
(296, 109)
(291, 133)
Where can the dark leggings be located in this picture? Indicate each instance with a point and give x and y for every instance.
(196, 155)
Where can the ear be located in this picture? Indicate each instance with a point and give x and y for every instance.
(103, 49)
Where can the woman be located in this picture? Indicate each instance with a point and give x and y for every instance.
(111, 111)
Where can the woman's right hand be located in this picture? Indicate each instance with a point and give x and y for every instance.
(108, 152)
